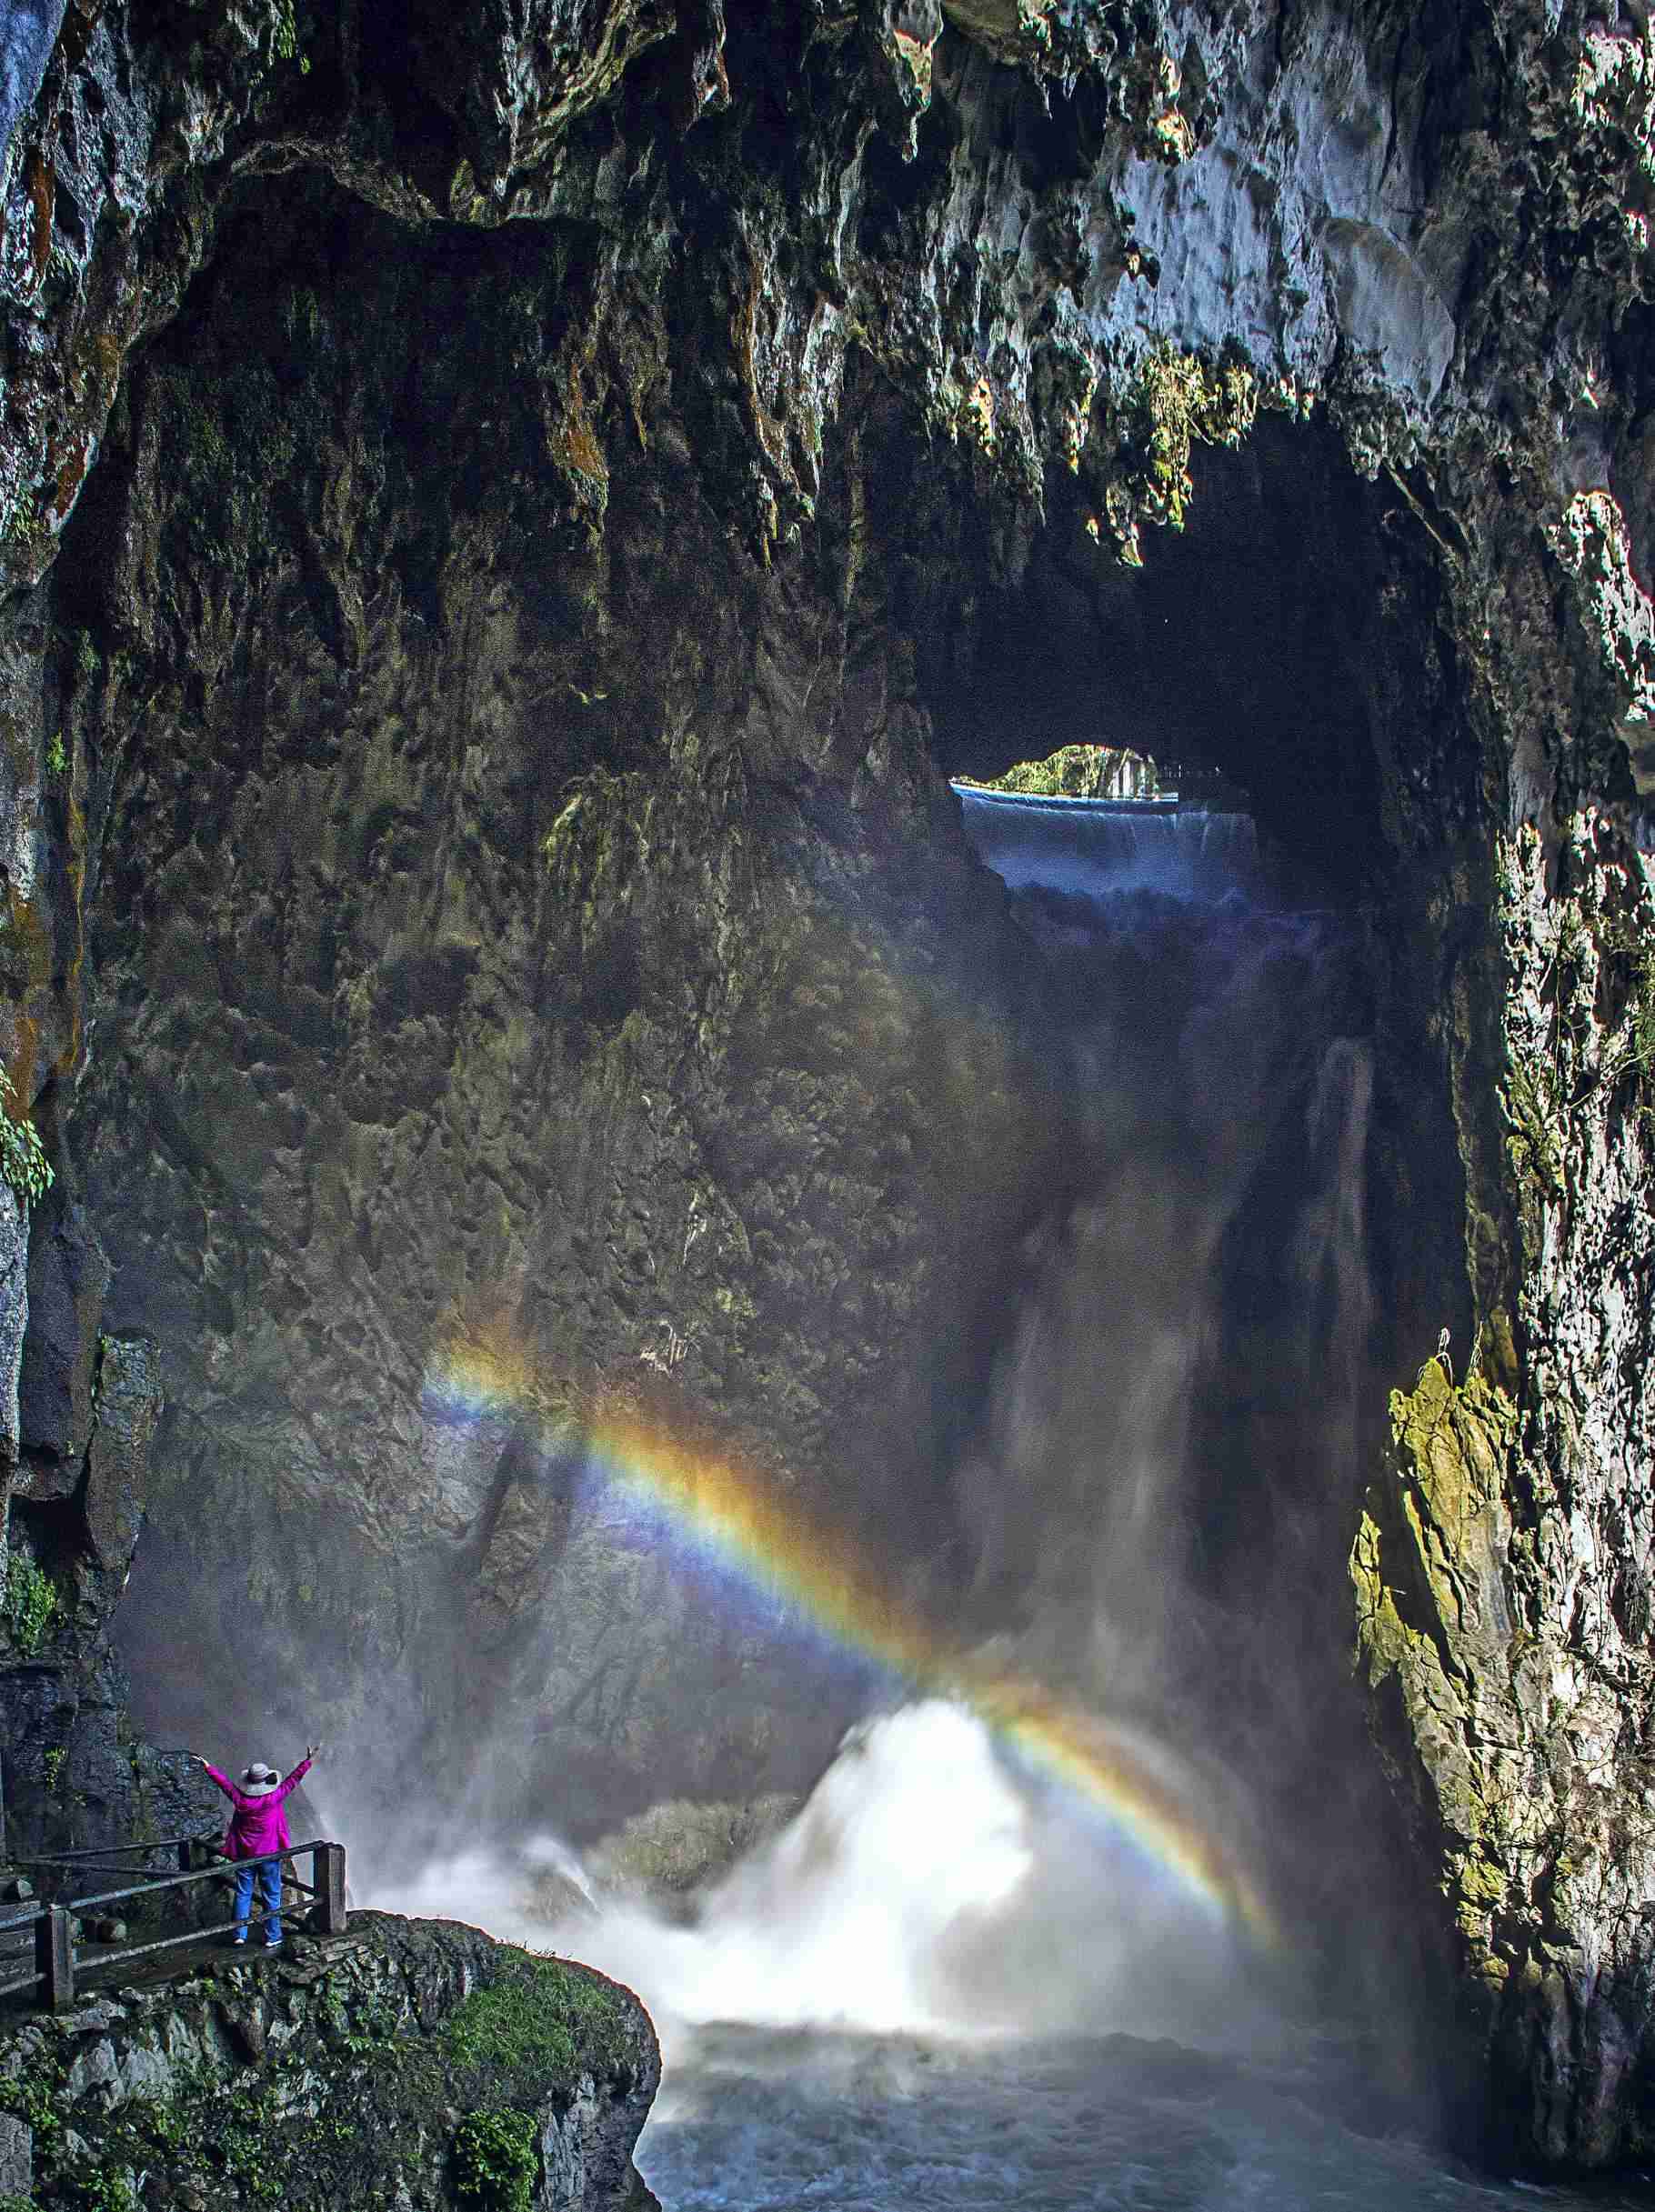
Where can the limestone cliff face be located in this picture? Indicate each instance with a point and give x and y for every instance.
(496, 525)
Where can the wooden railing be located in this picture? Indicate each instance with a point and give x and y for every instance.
(57, 1951)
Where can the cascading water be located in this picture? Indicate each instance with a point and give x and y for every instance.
(933, 1988)
(1074, 845)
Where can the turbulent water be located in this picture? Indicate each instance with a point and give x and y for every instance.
(953, 1981)
(750, 2122)
(831, 2040)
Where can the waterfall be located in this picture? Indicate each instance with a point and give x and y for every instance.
(1073, 845)
(1161, 1494)
(1161, 1471)
(933, 1986)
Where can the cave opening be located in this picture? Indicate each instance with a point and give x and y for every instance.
(1277, 658)
(515, 814)
(1253, 642)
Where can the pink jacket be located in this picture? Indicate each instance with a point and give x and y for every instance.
(258, 1824)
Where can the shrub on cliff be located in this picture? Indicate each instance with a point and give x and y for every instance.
(496, 2160)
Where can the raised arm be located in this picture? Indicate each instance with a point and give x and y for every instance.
(213, 1774)
(293, 1780)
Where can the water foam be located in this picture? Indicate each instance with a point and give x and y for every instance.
(927, 1888)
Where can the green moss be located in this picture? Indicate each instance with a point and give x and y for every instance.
(1073, 771)
(496, 2161)
(101, 2188)
(371, 2031)
(327, 2118)
(1382, 1637)
(1533, 1138)
(680, 1843)
(23, 530)
(543, 2015)
(34, 2096)
(1555, 1066)
(30, 1604)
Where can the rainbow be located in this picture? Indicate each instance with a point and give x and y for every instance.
(780, 1548)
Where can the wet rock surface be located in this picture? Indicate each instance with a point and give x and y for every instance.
(488, 698)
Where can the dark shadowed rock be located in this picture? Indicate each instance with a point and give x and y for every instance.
(68, 1276)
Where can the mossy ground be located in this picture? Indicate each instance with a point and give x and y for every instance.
(542, 2013)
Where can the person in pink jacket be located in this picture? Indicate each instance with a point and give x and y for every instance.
(258, 1824)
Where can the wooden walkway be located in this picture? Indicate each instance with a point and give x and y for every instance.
(47, 1956)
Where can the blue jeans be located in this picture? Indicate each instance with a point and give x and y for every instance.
(269, 1880)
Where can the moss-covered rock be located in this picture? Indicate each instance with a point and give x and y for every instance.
(411, 2063)
(1078, 772)
(679, 1846)
(1505, 1730)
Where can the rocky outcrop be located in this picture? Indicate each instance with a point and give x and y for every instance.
(1503, 1569)
(492, 697)
(405, 2061)
(75, 1773)
(1078, 772)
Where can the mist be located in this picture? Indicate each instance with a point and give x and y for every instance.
(1153, 1509)
(926, 1888)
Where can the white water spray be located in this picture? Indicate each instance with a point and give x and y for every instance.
(923, 1889)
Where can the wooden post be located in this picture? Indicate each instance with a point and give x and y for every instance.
(328, 1876)
(186, 1855)
(55, 1960)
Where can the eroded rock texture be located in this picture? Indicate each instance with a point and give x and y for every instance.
(502, 523)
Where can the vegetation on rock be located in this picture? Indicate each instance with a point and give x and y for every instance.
(1177, 402)
(1077, 771)
(543, 2011)
(23, 1157)
(496, 2161)
(680, 1845)
(31, 1602)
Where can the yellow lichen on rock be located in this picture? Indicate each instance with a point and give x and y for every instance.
(1435, 1617)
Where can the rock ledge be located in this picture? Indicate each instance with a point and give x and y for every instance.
(410, 2063)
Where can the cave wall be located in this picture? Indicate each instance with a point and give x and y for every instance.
(492, 517)
(489, 956)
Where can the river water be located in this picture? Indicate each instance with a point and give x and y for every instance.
(945, 1987)
(763, 2121)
